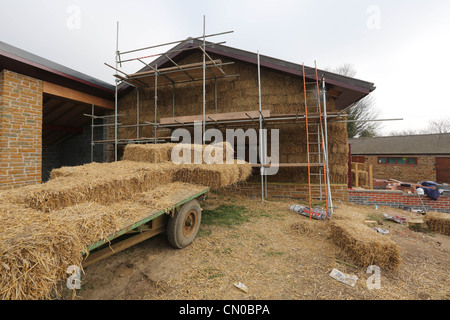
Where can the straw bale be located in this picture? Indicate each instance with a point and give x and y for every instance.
(152, 153)
(363, 178)
(107, 183)
(215, 176)
(101, 183)
(364, 245)
(111, 182)
(245, 170)
(157, 153)
(31, 246)
(438, 222)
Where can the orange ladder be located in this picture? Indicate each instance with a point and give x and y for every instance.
(315, 146)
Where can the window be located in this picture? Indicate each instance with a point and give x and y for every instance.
(392, 160)
(397, 160)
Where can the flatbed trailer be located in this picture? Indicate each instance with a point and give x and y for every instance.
(181, 221)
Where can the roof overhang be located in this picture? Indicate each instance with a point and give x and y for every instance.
(26, 63)
(344, 90)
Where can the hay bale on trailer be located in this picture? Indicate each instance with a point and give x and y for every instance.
(46, 227)
(36, 248)
(100, 183)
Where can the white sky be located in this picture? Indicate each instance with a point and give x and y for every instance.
(402, 46)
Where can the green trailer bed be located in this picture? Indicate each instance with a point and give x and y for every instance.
(181, 221)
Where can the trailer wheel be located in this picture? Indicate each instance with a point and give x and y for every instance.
(183, 227)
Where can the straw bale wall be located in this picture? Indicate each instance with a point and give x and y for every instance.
(281, 94)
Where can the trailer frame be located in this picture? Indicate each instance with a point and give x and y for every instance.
(152, 225)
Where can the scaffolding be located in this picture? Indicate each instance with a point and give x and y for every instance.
(196, 72)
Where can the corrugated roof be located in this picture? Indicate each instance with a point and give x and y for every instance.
(398, 145)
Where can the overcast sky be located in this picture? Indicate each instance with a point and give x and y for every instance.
(402, 46)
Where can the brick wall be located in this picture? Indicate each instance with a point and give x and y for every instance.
(20, 130)
(291, 190)
(425, 170)
(398, 199)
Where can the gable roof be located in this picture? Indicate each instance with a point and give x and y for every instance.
(350, 89)
(29, 64)
(435, 144)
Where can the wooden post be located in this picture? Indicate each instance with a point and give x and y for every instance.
(356, 175)
(349, 164)
(370, 177)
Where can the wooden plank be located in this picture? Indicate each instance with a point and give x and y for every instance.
(62, 128)
(175, 68)
(122, 245)
(216, 116)
(60, 91)
(287, 165)
(370, 177)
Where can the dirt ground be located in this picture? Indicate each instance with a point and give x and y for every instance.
(274, 260)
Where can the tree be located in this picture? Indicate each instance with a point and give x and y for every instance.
(441, 125)
(434, 126)
(362, 112)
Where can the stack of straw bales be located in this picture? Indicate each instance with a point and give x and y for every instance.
(46, 227)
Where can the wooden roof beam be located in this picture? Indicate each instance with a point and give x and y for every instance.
(75, 95)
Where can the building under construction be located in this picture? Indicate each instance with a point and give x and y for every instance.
(224, 87)
(68, 118)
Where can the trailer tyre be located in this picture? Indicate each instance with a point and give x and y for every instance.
(183, 227)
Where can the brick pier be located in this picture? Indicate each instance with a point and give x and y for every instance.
(20, 130)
